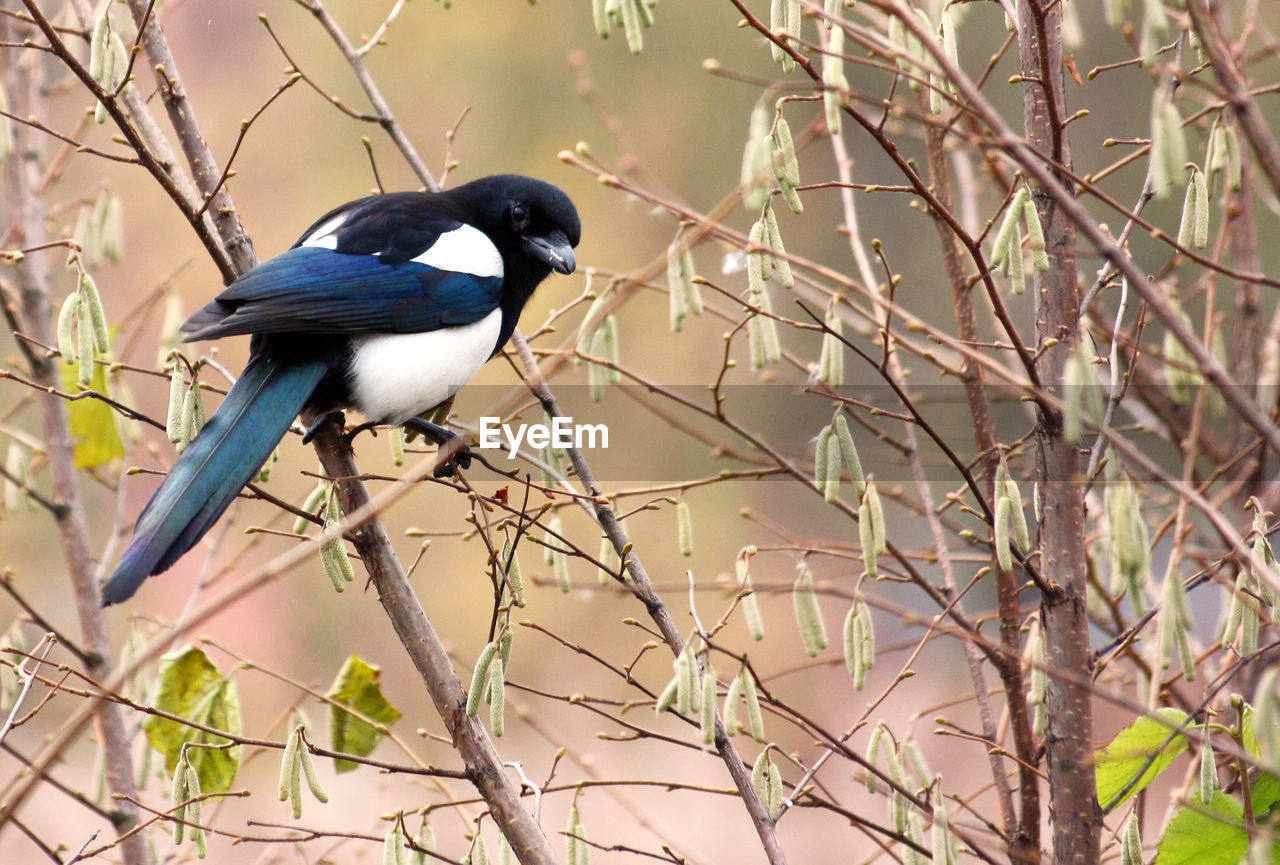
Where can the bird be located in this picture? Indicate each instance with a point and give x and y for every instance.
(388, 305)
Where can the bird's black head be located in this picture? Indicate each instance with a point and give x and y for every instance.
(533, 223)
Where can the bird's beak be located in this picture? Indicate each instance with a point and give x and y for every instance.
(554, 251)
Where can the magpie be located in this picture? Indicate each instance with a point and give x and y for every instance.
(387, 305)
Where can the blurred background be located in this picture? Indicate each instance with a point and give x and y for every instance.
(533, 80)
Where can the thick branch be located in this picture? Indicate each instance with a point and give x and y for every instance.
(431, 658)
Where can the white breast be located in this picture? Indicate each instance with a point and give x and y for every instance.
(397, 376)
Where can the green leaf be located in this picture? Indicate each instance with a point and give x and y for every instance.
(92, 421)
(1122, 760)
(191, 687)
(357, 687)
(1200, 834)
(1264, 791)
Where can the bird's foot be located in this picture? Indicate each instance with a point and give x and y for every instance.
(333, 417)
(366, 426)
(441, 436)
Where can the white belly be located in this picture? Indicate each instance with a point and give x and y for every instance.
(397, 376)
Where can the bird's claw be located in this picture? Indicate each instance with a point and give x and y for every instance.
(461, 458)
(333, 417)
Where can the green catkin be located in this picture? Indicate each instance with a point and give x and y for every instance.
(600, 18)
(808, 614)
(573, 852)
(849, 451)
(631, 25)
(943, 845)
(108, 220)
(608, 557)
(1000, 535)
(732, 696)
(505, 641)
(193, 809)
(668, 696)
(15, 464)
(707, 725)
(684, 689)
(478, 678)
(756, 160)
(319, 493)
(677, 288)
(760, 775)
(1200, 236)
(393, 846)
(831, 483)
(834, 81)
(1017, 273)
(876, 513)
(684, 528)
(6, 129)
(1155, 29)
(852, 653)
(86, 234)
(497, 697)
(866, 536)
(779, 257)
(85, 350)
(1018, 519)
(1235, 170)
(309, 772)
(197, 408)
(1035, 235)
(177, 800)
(396, 441)
(786, 164)
(177, 396)
(342, 572)
(755, 715)
(751, 615)
(822, 460)
(874, 744)
(332, 555)
(610, 348)
(1131, 845)
(759, 262)
(66, 327)
(831, 355)
(289, 763)
(1003, 249)
(775, 800)
(97, 317)
(1208, 767)
(1235, 607)
(98, 47)
(1190, 213)
(509, 562)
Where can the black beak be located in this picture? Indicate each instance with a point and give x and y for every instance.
(554, 251)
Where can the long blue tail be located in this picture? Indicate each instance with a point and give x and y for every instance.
(213, 469)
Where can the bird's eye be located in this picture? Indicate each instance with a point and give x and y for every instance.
(519, 217)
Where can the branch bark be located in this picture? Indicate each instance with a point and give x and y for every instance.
(1077, 821)
(431, 658)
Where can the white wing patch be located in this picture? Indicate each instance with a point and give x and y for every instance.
(397, 376)
(324, 236)
(466, 249)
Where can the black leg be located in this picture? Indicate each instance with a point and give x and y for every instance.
(334, 417)
(367, 426)
(440, 436)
